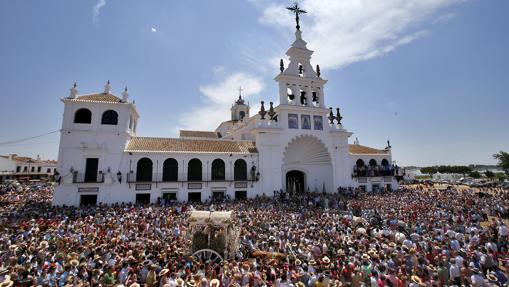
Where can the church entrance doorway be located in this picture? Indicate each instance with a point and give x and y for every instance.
(295, 181)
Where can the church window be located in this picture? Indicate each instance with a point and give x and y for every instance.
(372, 162)
(360, 163)
(305, 122)
(83, 116)
(293, 121)
(109, 117)
(242, 114)
(385, 162)
(144, 170)
(218, 170)
(194, 170)
(240, 170)
(170, 170)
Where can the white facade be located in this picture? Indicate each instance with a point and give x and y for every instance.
(299, 145)
(13, 166)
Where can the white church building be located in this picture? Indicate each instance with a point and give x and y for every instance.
(297, 146)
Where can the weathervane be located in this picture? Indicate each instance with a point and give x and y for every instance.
(296, 9)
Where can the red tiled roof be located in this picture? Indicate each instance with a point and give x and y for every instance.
(148, 144)
(198, 134)
(100, 97)
(360, 149)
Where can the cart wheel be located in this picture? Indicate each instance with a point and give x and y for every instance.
(208, 256)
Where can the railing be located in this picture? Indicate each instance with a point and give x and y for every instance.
(372, 171)
(87, 178)
(159, 178)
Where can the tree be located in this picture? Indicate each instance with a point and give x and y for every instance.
(429, 170)
(489, 174)
(503, 161)
(474, 174)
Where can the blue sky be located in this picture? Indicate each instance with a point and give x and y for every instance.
(430, 75)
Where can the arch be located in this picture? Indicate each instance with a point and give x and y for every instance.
(242, 115)
(144, 169)
(240, 170)
(360, 163)
(83, 116)
(372, 162)
(218, 169)
(307, 165)
(170, 170)
(194, 170)
(307, 150)
(385, 162)
(109, 117)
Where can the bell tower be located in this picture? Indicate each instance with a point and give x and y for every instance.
(299, 83)
(239, 108)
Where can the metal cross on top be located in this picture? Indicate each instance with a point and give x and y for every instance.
(296, 9)
(240, 90)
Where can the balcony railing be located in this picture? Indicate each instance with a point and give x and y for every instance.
(159, 178)
(372, 171)
(78, 177)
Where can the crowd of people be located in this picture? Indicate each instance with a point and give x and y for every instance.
(415, 236)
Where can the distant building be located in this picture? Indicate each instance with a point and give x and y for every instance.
(24, 168)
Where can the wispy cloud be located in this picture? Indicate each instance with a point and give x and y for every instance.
(97, 10)
(348, 31)
(217, 98)
(153, 29)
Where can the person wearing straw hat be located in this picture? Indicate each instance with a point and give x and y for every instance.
(163, 277)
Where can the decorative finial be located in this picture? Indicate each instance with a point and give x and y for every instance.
(389, 144)
(262, 112)
(125, 95)
(338, 116)
(107, 87)
(240, 92)
(74, 91)
(318, 71)
(296, 9)
(356, 141)
(281, 65)
(271, 112)
(331, 116)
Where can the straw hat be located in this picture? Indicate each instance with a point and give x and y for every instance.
(7, 282)
(326, 260)
(416, 279)
(365, 256)
(163, 272)
(312, 262)
(134, 285)
(214, 282)
(179, 282)
(298, 262)
(300, 284)
(492, 278)
(74, 263)
(191, 283)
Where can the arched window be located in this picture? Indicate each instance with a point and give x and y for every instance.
(385, 162)
(144, 170)
(372, 162)
(242, 114)
(170, 170)
(217, 169)
(194, 170)
(240, 170)
(360, 163)
(110, 117)
(83, 116)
